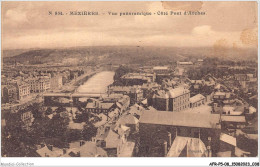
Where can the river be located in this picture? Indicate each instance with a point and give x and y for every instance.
(97, 83)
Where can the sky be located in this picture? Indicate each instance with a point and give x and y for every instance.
(225, 24)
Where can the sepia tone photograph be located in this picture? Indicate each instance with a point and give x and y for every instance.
(129, 79)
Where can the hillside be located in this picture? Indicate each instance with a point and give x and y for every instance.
(14, 52)
(126, 55)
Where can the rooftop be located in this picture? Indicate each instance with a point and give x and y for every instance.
(89, 149)
(125, 88)
(241, 119)
(160, 94)
(160, 68)
(99, 105)
(143, 76)
(180, 119)
(185, 63)
(187, 145)
(127, 150)
(76, 126)
(230, 110)
(220, 94)
(112, 139)
(196, 98)
(177, 92)
(45, 151)
(228, 139)
(127, 119)
(136, 109)
(202, 109)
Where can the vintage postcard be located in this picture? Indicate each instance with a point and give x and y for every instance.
(129, 79)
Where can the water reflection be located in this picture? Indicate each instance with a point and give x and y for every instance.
(98, 83)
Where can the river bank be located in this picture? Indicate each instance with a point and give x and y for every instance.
(97, 83)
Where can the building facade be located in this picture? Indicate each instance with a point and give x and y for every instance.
(171, 99)
(56, 82)
(134, 92)
(23, 90)
(131, 79)
(197, 100)
(161, 70)
(9, 94)
(39, 84)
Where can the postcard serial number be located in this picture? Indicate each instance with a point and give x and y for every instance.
(73, 13)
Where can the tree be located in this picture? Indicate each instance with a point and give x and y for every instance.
(60, 109)
(40, 128)
(89, 131)
(122, 70)
(48, 111)
(16, 141)
(36, 110)
(58, 127)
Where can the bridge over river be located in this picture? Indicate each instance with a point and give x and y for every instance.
(95, 87)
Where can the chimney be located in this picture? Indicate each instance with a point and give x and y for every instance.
(51, 147)
(78, 154)
(42, 145)
(170, 139)
(64, 151)
(209, 147)
(165, 148)
(209, 151)
(81, 143)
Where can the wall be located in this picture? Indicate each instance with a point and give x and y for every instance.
(161, 104)
(152, 137)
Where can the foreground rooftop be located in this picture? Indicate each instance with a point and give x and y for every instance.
(180, 119)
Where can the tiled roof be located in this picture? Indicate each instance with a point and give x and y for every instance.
(180, 119)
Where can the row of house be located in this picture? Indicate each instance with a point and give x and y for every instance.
(21, 89)
(134, 92)
(39, 84)
(76, 149)
(131, 79)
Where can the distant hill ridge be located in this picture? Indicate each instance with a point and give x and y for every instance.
(122, 54)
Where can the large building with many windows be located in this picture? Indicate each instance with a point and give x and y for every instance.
(23, 90)
(39, 84)
(9, 94)
(171, 99)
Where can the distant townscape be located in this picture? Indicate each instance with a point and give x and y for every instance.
(128, 102)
